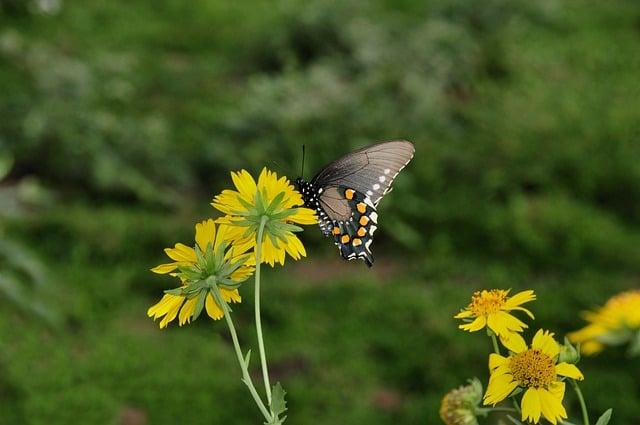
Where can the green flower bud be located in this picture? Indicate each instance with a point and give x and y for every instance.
(569, 353)
(459, 405)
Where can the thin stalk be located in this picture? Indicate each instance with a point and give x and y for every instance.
(583, 406)
(246, 377)
(494, 340)
(263, 357)
(486, 410)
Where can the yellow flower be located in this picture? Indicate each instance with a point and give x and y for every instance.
(458, 407)
(210, 262)
(617, 322)
(272, 201)
(535, 370)
(492, 308)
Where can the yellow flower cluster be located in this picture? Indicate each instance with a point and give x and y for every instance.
(265, 212)
(615, 323)
(536, 370)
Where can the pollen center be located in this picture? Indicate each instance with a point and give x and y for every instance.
(533, 368)
(487, 302)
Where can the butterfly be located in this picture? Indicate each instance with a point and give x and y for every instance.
(345, 194)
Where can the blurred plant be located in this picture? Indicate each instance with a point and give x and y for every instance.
(538, 370)
(615, 323)
(460, 406)
(23, 277)
(259, 218)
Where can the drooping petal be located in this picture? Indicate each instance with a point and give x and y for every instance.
(187, 311)
(213, 309)
(530, 405)
(514, 342)
(496, 360)
(230, 295)
(474, 326)
(303, 216)
(552, 408)
(499, 388)
(463, 314)
(569, 370)
(503, 323)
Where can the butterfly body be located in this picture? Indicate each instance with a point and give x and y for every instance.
(345, 195)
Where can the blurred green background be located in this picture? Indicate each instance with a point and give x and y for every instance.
(120, 120)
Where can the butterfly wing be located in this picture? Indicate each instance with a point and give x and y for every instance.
(370, 170)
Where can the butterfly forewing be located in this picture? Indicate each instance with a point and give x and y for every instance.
(370, 170)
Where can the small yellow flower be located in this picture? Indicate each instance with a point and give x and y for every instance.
(617, 322)
(458, 406)
(210, 262)
(272, 200)
(492, 308)
(535, 370)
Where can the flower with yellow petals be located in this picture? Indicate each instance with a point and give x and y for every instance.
(535, 370)
(616, 323)
(492, 309)
(271, 204)
(210, 262)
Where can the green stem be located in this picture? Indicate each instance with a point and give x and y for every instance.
(263, 357)
(246, 377)
(494, 340)
(583, 406)
(486, 410)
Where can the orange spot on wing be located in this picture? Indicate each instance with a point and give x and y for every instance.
(364, 220)
(336, 231)
(357, 242)
(349, 194)
(362, 207)
(345, 239)
(362, 231)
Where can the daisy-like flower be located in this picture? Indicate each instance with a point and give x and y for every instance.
(459, 405)
(615, 323)
(492, 309)
(271, 202)
(535, 370)
(210, 262)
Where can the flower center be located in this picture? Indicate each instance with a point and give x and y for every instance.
(487, 302)
(533, 368)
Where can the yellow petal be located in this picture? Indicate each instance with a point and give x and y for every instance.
(503, 323)
(552, 408)
(557, 390)
(569, 370)
(545, 342)
(187, 311)
(496, 360)
(531, 407)
(476, 325)
(498, 389)
(231, 295)
(520, 298)
(205, 234)
(165, 268)
(514, 342)
(213, 310)
(463, 314)
(245, 184)
(303, 216)
(181, 253)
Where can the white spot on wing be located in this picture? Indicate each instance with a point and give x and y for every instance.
(382, 179)
(369, 193)
(387, 170)
(376, 186)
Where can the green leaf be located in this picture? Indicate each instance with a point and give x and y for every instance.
(199, 305)
(278, 403)
(605, 418)
(274, 203)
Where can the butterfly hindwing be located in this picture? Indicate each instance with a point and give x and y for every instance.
(355, 235)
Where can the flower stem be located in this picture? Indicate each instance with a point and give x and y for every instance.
(583, 406)
(486, 410)
(494, 340)
(246, 377)
(263, 357)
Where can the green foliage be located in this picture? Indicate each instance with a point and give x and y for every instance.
(122, 119)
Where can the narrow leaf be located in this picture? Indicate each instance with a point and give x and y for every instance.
(278, 403)
(605, 418)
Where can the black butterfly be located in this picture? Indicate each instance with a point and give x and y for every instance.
(346, 192)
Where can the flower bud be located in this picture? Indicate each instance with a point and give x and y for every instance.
(459, 405)
(569, 353)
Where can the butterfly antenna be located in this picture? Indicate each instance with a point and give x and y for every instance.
(302, 168)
